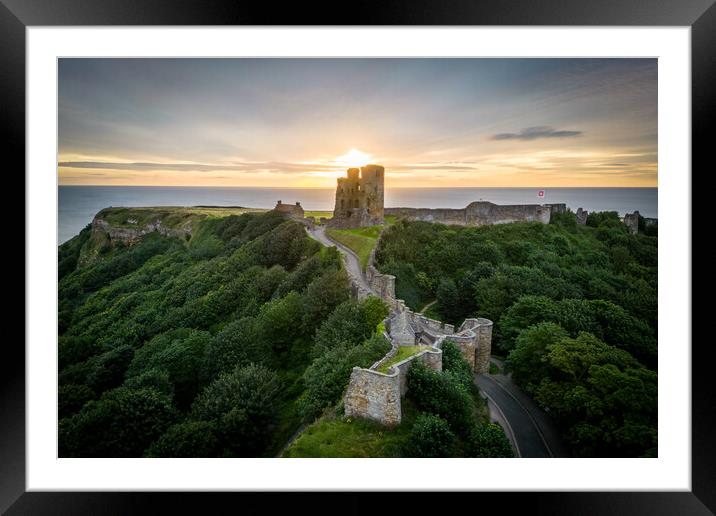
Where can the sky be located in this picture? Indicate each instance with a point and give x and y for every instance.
(302, 122)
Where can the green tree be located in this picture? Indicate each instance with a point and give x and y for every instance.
(122, 423)
(181, 354)
(448, 299)
(431, 437)
(441, 394)
(488, 440)
(187, 439)
(242, 404)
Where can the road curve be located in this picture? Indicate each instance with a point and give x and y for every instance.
(528, 427)
(351, 259)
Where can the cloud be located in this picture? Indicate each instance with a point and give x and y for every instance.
(534, 133)
(273, 166)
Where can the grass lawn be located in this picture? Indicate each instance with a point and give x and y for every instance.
(332, 436)
(361, 241)
(318, 214)
(403, 353)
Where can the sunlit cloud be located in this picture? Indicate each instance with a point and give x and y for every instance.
(288, 122)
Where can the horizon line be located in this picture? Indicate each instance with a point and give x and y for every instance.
(333, 188)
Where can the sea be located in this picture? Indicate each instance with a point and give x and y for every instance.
(79, 204)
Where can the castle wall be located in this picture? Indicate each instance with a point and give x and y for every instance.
(479, 213)
(373, 395)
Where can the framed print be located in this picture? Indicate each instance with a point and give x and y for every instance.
(416, 253)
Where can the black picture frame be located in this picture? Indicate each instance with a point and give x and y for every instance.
(17, 15)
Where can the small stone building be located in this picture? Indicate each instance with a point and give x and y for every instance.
(292, 210)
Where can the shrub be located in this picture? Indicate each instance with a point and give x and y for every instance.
(431, 437)
(188, 439)
(455, 363)
(488, 441)
(72, 397)
(243, 406)
(441, 394)
(122, 423)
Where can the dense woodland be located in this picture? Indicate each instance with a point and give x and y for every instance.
(222, 345)
(229, 342)
(575, 312)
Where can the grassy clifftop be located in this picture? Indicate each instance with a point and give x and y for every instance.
(169, 216)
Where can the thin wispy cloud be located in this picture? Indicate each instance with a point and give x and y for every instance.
(535, 133)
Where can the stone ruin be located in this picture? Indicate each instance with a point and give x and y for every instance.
(481, 213)
(294, 211)
(359, 198)
(631, 220)
(581, 216)
(377, 396)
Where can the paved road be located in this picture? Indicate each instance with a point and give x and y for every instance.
(351, 259)
(531, 431)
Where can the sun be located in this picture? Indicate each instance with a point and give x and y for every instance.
(353, 158)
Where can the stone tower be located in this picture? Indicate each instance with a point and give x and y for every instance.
(359, 198)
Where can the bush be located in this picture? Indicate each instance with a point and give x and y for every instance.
(188, 439)
(122, 423)
(441, 394)
(431, 437)
(72, 397)
(243, 406)
(181, 354)
(488, 441)
(455, 364)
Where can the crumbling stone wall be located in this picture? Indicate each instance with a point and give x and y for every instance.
(373, 395)
(481, 213)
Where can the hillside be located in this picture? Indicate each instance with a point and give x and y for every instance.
(574, 307)
(192, 339)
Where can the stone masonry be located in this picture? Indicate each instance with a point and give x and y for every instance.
(481, 213)
(292, 210)
(375, 395)
(631, 220)
(359, 198)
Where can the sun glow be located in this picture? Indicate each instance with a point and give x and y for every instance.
(353, 158)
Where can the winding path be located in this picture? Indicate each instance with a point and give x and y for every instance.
(351, 259)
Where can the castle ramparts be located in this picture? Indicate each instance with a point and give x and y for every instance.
(376, 395)
(481, 213)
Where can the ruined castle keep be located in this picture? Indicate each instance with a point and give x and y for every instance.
(359, 198)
